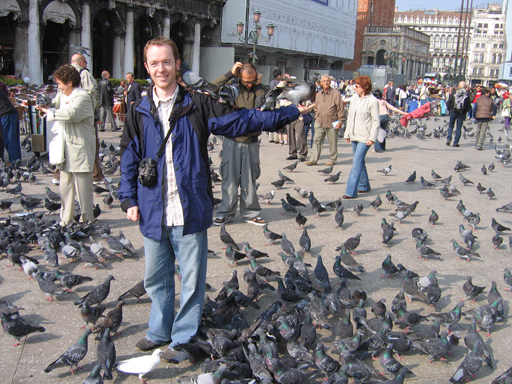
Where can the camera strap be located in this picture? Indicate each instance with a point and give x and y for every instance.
(171, 128)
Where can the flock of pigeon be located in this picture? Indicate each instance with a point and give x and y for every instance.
(317, 324)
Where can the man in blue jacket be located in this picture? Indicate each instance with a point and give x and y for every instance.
(175, 213)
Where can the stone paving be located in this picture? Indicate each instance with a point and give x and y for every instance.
(25, 363)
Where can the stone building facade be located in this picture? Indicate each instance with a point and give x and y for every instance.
(488, 45)
(443, 29)
(114, 31)
(370, 13)
(404, 49)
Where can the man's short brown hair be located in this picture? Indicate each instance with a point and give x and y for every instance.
(160, 41)
(67, 73)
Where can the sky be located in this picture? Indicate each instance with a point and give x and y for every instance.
(442, 5)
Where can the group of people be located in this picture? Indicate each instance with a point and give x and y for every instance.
(171, 125)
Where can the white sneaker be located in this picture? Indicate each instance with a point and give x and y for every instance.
(56, 181)
(256, 221)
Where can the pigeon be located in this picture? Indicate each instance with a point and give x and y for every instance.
(419, 234)
(261, 270)
(426, 252)
(411, 178)
(497, 227)
(385, 170)
(97, 295)
(333, 178)
(48, 287)
(375, 204)
(351, 244)
(484, 351)
(504, 378)
(483, 170)
(252, 252)
(342, 272)
(127, 244)
(270, 236)
(465, 181)
(305, 241)
(29, 267)
(137, 291)
(29, 203)
(70, 280)
(16, 327)
(491, 167)
(286, 179)
(433, 217)
(91, 314)
(226, 238)
(401, 215)
(471, 291)
(426, 184)
(480, 188)
(286, 245)
(490, 193)
(463, 253)
(460, 166)
(339, 218)
(95, 376)
(318, 207)
(293, 202)
(434, 175)
(112, 320)
(73, 355)
(325, 362)
(288, 207)
(469, 366)
(291, 167)
(106, 354)
(388, 234)
(300, 220)
(302, 192)
(5, 204)
(321, 273)
(436, 348)
(140, 365)
(327, 170)
(358, 209)
(389, 267)
(349, 261)
(496, 241)
(267, 197)
(450, 317)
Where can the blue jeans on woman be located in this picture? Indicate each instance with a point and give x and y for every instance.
(191, 252)
(307, 129)
(10, 125)
(358, 178)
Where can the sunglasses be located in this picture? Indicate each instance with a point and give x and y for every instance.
(249, 82)
(357, 86)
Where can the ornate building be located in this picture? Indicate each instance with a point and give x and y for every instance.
(488, 45)
(370, 13)
(114, 31)
(401, 48)
(443, 29)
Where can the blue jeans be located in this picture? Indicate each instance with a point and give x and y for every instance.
(459, 117)
(11, 136)
(191, 252)
(384, 122)
(358, 178)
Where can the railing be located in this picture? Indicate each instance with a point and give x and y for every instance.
(398, 30)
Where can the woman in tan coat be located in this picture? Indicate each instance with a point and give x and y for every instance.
(73, 108)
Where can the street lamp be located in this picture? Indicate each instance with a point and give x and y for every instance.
(255, 35)
(392, 61)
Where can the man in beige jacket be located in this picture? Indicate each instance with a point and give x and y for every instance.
(329, 115)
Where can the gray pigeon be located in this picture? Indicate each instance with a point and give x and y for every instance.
(73, 355)
(106, 354)
(95, 376)
(99, 294)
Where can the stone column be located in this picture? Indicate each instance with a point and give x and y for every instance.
(35, 64)
(86, 32)
(167, 27)
(21, 49)
(196, 48)
(128, 42)
(117, 72)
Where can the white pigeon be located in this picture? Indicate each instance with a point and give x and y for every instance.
(29, 267)
(140, 365)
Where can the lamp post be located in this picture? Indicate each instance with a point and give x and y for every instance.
(392, 61)
(255, 35)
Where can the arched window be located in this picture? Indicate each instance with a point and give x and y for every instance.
(443, 41)
(437, 41)
(476, 57)
(449, 42)
(493, 58)
(435, 62)
(500, 57)
(482, 56)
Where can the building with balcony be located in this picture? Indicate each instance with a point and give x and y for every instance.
(403, 49)
(488, 45)
(443, 29)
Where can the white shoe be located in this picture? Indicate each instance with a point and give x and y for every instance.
(56, 181)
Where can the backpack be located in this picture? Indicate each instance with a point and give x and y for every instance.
(460, 98)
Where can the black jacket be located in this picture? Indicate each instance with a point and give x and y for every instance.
(106, 92)
(6, 107)
(134, 93)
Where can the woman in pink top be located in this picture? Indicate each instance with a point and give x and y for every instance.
(384, 108)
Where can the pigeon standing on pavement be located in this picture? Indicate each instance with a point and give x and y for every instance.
(73, 355)
(106, 354)
(97, 295)
(385, 170)
(140, 365)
